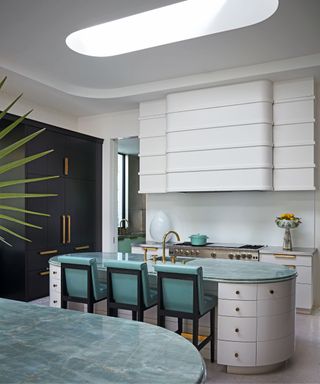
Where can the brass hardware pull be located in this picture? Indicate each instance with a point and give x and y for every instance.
(291, 266)
(51, 252)
(173, 259)
(63, 229)
(81, 247)
(46, 273)
(66, 166)
(69, 229)
(282, 256)
(154, 259)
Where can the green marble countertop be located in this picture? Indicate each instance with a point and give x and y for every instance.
(233, 271)
(52, 345)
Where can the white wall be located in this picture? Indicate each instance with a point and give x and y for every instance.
(39, 113)
(110, 126)
(240, 217)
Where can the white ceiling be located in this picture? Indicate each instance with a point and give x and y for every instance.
(34, 55)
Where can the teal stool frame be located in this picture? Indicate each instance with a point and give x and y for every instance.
(194, 316)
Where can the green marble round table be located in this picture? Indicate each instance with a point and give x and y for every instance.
(50, 345)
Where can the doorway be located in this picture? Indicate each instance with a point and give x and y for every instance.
(131, 207)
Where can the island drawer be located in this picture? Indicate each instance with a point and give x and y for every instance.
(237, 308)
(275, 306)
(275, 327)
(236, 354)
(276, 290)
(237, 329)
(231, 291)
(55, 272)
(274, 351)
(55, 299)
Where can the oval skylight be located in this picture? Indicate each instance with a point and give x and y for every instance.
(177, 22)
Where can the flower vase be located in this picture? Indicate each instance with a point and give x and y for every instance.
(287, 243)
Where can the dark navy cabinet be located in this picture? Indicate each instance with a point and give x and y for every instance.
(75, 221)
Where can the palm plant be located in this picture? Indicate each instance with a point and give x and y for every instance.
(4, 152)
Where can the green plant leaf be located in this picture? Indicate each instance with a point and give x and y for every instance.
(9, 149)
(3, 81)
(14, 220)
(9, 208)
(14, 233)
(15, 164)
(25, 195)
(3, 113)
(10, 127)
(5, 242)
(25, 181)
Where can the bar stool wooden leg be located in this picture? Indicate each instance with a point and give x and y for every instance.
(195, 330)
(179, 326)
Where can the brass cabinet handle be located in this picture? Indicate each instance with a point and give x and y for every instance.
(63, 229)
(291, 266)
(81, 247)
(282, 256)
(69, 229)
(51, 252)
(46, 273)
(66, 166)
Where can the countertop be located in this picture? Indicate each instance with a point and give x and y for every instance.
(51, 345)
(217, 270)
(298, 251)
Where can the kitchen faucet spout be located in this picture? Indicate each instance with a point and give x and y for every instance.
(164, 243)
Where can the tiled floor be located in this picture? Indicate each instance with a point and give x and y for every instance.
(303, 368)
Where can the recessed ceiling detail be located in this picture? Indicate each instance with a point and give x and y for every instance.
(173, 23)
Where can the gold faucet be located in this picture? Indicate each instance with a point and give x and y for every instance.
(164, 244)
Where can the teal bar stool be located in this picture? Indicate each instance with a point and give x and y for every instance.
(128, 288)
(181, 295)
(79, 281)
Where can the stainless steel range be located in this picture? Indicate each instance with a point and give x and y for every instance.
(245, 252)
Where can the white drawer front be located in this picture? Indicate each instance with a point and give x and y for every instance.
(236, 354)
(55, 272)
(237, 291)
(304, 297)
(237, 329)
(276, 290)
(275, 327)
(237, 308)
(276, 306)
(275, 351)
(285, 259)
(55, 299)
(55, 285)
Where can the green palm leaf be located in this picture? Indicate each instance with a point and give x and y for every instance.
(14, 233)
(14, 220)
(25, 181)
(25, 195)
(10, 127)
(3, 81)
(9, 208)
(15, 164)
(4, 152)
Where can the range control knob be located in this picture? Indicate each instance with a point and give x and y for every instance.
(231, 255)
(213, 255)
(176, 251)
(186, 252)
(197, 253)
(238, 257)
(243, 255)
(249, 256)
(192, 252)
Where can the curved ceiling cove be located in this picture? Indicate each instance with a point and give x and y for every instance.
(173, 23)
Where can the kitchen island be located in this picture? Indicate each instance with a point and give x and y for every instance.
(50, 345)
(256, 308)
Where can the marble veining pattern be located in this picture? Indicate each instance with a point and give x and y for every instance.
(52, 345)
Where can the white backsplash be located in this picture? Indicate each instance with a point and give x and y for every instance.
(241, 217)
